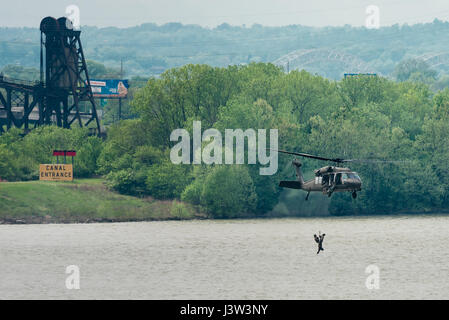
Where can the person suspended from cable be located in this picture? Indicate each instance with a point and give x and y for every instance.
(319, 239)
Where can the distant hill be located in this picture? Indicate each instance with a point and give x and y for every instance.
(150, 49)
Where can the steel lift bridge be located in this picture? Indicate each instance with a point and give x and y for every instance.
(63, 95)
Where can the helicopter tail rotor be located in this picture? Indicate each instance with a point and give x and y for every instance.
(298, 184)
(297, 164)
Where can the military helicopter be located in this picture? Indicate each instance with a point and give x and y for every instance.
(327, 179)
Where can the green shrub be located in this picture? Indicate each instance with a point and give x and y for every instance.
(127, 181)
(87, 156)
(192, 193)
(167, 180)
(8, 166)
(181, 210)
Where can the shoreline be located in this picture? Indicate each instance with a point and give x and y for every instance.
(33, 220)
(43, 220)
(90, 201)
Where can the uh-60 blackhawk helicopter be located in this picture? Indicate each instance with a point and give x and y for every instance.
(327, 179)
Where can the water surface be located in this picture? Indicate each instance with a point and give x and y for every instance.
(233, 259)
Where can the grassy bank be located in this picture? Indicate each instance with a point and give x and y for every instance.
(84, 200)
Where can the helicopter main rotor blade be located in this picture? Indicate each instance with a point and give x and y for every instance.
(339, 160)
(306, 155)
(374, 161)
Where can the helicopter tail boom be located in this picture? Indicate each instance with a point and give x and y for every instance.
(290, 184)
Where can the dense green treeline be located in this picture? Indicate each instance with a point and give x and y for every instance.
(357, 117)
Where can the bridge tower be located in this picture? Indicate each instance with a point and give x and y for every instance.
(64, 73)
(63, 95)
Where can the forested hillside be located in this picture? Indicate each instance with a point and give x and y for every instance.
(149, 49)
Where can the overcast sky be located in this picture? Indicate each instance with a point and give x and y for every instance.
(210, 13)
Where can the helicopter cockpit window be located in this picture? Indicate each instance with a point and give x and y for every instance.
(353, 175)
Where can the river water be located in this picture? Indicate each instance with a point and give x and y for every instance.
(234, 259)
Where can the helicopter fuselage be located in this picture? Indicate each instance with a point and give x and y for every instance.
(327, 180)
(334, 179)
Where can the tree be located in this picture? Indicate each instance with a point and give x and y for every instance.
(414, 70)
(20, 72)
(98, 70)
(228, 192)
(182, 95)
(240, 114)
(307, 94)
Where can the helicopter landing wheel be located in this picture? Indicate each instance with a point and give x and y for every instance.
(354, 195)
